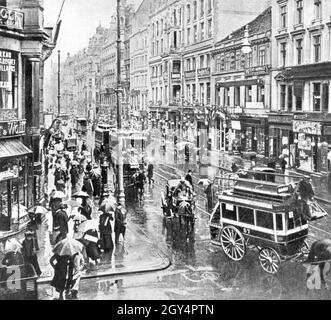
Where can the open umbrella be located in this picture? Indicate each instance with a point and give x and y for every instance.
(72, 203)
(58, 195)
(81, 194)
(74, 163)
(91, 236)
(68, 247)
(40, 210)
(88, 225)
(108, 206)
(12, 245)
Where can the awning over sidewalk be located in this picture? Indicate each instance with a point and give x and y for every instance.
(13, 148)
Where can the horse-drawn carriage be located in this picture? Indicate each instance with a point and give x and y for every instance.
(263, 215)
(179, 204)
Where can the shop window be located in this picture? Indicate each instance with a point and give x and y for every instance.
(299, 51)
(229, 211)
(246, 215)
(264, 220)
(298, 93)
(317, 96)
(299, 11)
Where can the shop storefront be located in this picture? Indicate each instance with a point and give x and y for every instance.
(254, 135)
(281, 137)
(16, 184)
(308, 141)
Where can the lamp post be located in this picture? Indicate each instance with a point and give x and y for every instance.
(59, 83)
(120, 178)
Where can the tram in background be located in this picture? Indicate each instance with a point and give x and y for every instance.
(134, 144)
(81, 126)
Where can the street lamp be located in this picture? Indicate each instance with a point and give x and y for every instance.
(246, 47)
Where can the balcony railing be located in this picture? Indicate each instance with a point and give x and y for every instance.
(11, 18)
(190, 74)
(204, 72)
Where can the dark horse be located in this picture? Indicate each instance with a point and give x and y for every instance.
(319, 254)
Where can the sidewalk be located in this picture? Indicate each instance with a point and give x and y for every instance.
(137, 255)
(134, 255)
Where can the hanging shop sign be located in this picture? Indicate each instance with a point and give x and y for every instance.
(308, 127)
(12, 128)
(258, 71)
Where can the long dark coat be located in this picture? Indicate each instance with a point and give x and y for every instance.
(105, 230)
(29, 254)
(59, 281)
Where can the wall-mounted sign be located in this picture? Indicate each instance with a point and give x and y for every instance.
(12, 128)
(258, 71)
(8, 79)
(308, 127)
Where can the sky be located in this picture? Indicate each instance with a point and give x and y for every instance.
(80, 18)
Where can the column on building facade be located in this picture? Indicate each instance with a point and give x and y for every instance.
(242, 96)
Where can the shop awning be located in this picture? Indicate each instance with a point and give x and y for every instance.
(13, 148)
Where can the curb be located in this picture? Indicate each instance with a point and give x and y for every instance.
(162, 266)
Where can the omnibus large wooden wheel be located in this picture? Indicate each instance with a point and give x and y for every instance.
(233, 243)
(269, 260)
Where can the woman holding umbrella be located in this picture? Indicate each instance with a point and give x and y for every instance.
(61, 262)
(85, 209)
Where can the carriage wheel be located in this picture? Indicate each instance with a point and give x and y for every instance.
(233, 243)
(269, 260)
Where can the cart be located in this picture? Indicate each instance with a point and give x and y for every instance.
(260, 214)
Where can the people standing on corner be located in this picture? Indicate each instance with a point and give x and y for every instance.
(62, 220)
(150, 173)
(29, 251)
(74, 174)
(60, 265)
(106, 230)
(84, 147)
(189, 178)
(59, 178)
(88, 185)
(120, 222)
(76, 267)
(283, 164)
(85, 209)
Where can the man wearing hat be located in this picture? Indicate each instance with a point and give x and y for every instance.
(62, 222)
(29, 251)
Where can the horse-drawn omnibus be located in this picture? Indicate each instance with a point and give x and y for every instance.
(268, 216)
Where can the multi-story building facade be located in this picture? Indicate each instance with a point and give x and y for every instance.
(166, 61)
(109, 79)
(139, 54)
(25, 44)
(183, 34)
(68, 94)
(87, 75)
(300, 123)
(243, 88)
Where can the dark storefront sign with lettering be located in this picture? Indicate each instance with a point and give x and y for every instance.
(258, 71)
(12, 128)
